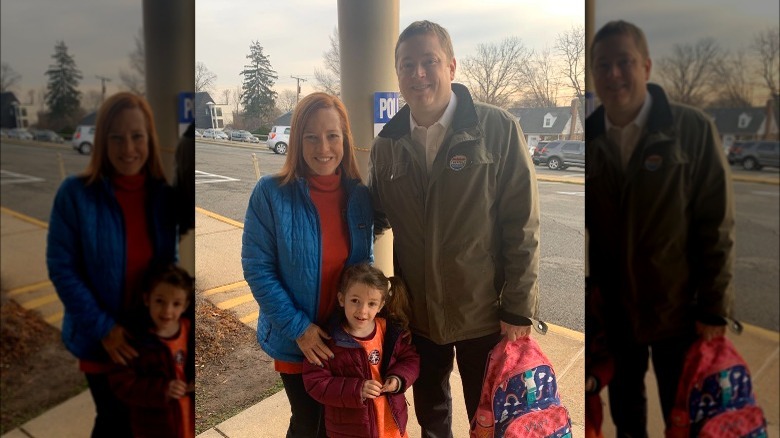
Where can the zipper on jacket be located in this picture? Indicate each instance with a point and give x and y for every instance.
(310, 204)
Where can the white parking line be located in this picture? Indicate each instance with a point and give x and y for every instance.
(205, 178)
(7, 177)
(571, 193)
(765, 193)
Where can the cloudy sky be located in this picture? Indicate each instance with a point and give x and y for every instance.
(668, 22)
(295, 33)
(99, 35)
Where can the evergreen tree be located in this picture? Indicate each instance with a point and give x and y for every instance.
(62, 96)
(258, 98)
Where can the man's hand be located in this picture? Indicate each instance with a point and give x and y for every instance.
(115, 343)
(312, 345)
(515, 332)
(371, 389)
(710, 332)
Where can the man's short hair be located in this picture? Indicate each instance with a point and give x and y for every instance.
(424, 27)
(620, 27)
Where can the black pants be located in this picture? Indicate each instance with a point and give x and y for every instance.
(627, 396)
(432, 397)
(113, 418)
(308, 416)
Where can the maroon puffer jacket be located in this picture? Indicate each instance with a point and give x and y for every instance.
(337, 385)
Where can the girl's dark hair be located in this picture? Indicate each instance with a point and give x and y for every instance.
(173, 275)
(393, 290)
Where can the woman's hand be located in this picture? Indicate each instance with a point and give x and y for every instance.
(119, 350)
(312, 345)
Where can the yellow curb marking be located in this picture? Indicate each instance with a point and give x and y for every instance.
(219, 217)
(40, 301)
(24, 217)
(762, 332)
(755, 179)
(560, 180)
(563, 331)
(28, 288)
(55, 318)
(233, 302)
(250, 317)
(225, 288)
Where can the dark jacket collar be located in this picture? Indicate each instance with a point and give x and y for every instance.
(465, 116)
(660, 118)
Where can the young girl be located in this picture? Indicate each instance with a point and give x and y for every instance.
(157, 386)
(362, 387)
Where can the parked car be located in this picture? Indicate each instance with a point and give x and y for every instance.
(83, 139)
(46, 135)
(214, 133)
(558, 155)
(278, 138)
(753, 155)
(20, 134)
(3, 133)
(244, 136)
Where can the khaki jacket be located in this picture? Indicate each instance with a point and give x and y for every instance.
(466, 237)
(661, 233)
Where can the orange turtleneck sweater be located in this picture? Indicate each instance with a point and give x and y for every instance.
(330, 200)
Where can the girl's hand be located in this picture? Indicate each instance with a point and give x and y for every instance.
(312, 345)
(176, 389)
(371, 389)
(392, 384)
(117, 347)
(515, 332)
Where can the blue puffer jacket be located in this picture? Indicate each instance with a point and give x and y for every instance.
(282, 257)
(86, 256)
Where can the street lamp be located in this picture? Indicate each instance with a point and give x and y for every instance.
(17, 114)
(212, 115)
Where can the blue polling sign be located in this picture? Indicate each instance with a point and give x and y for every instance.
(186, 110)
(186, 107)
(385, 107)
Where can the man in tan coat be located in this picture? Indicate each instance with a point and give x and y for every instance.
(454, 181)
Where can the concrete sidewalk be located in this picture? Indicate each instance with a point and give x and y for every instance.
(219, 278)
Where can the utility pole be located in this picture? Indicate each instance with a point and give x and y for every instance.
(298, 96)
(103, 81)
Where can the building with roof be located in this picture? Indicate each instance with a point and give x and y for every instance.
(209, 113)
(745, 124)
(544, 124)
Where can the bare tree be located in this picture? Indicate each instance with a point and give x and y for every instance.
(493, 74)
(204, 78)
(571, 46)
(539, 81)
(92, 100)
(134, 78)
(329, 79)
(766, 46)
(688, 72)
(237, 99)
(226, 96)
(8, 77)
(286, 101)
(731, 86)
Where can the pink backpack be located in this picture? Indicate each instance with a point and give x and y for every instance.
(520, 395)
(715, 395)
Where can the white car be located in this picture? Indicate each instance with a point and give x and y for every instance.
(215, 134)
(278, 138)
(83, 139)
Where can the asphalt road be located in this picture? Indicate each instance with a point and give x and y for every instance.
(226, 176)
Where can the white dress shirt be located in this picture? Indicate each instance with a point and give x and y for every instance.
(433, 136)
(627, 137)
